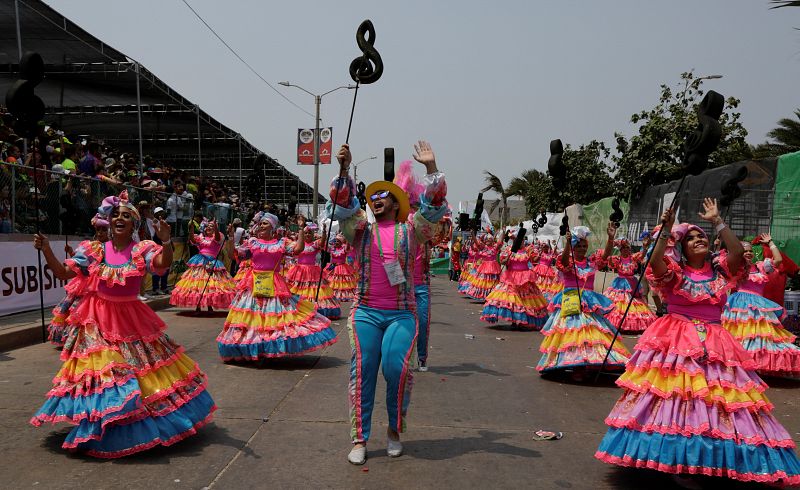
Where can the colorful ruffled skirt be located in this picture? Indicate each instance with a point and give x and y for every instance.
(469, 269)
(303, 280)
(124, 385)
(280, 326)
(245, 266)
(547, 281)
(693, 404)
(484, 280)
(755, 322)
(639, 315)
(188, 292)
(342, 279)
(516, 299)
(580, 340)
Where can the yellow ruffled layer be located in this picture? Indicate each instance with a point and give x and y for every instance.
(560, 341)
(533, 302)
(166, 376)
(757, 329)
(687, 386)
(254, 319)
(94, 362)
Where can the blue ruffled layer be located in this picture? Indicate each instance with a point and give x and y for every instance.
(143, 433)
(205, 261)
(493, 314)
(590, 300)
(332, 313)
(672, 450)
(621, 284)
(111, 397)
(749, 301)
(291, 346)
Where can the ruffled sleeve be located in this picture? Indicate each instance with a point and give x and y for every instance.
(144, 254)
(669, 279)
(613, 262)
(88, 254)
(597, 260)
(244, 251)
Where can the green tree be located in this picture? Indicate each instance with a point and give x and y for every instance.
(535, 188)
(786, 139)
(653, 155)
(588, 173)
(493, 183)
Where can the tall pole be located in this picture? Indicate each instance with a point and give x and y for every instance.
(139, 115)
(241, 195)
(315, 199)
(199, 150)
(19, 29)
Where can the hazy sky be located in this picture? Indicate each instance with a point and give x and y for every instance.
(489, 84)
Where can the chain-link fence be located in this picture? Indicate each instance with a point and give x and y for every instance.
(67, 203)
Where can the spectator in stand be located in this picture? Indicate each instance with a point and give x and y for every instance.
(91, 163)
(70, 154)
(52, 200)
(5, 209)
(145, 233)
(159, 281)
(179, 208)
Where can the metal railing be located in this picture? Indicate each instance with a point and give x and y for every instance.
(68, 202)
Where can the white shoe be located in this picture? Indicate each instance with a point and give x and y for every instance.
(394, 448)
(423, 368)
(142, 298)
(358, 455)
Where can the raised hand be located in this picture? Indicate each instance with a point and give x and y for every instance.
(424, 155)
(162, 230)
(40, 242)
(611, 230)
(668, 217)
(710, 211)
(344, 156)
(765, 238)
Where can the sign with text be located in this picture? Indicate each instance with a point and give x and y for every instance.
(19, 277)
(305, 146)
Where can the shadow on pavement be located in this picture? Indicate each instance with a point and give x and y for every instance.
(5, 357)
(203, 313)
(210, 435)
(302, 363)
(465, 369)
(606, 380)
(452, 447)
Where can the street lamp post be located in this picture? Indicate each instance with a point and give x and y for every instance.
(355, 167)
(695, 83)
(317, 103)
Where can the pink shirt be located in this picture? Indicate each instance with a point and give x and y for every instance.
(114, 258)
(267, 254)
(207, 245)
(383, 295)
(309, 254)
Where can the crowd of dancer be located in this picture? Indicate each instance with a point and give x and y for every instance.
(693, 400)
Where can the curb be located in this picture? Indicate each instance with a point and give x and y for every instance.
(31, 333)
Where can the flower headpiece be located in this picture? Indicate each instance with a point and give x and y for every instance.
(406, 180)
(262, 216)
(100, 221)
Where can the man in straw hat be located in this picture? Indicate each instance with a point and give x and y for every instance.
(383, 323)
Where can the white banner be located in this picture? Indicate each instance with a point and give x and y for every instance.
(19, 277)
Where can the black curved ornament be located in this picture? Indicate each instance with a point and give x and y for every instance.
(562, 230)
(362, 198)
(21, 102)
(617, 214)
(535, 227)
(519, 240)
(706, 136)
(542, 219)
(730, 188)
(555, 165)
(368, 67)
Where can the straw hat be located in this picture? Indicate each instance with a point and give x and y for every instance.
(395, 191)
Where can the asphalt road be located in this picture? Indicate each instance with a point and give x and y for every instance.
(284, 423)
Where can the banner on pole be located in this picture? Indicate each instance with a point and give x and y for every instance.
(305, 146)
(19, 278)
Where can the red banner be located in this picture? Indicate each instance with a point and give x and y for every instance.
(305, 146)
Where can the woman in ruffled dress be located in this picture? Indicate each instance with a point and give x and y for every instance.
(515, 298)
(340, 275)
(470, 264)
(303, 276)
(547, 280)
(265, 319)
(755, 321)
(124, 385)
(206, 282)
(75, 288)
(577, 334)
(692, 401)
(621, 288)
(487, 274)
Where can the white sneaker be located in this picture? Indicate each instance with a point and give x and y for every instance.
(394, 448)
(358, 455)
(142, 298)
(423, 368)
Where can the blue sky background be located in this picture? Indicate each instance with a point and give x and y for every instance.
(489, 84)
